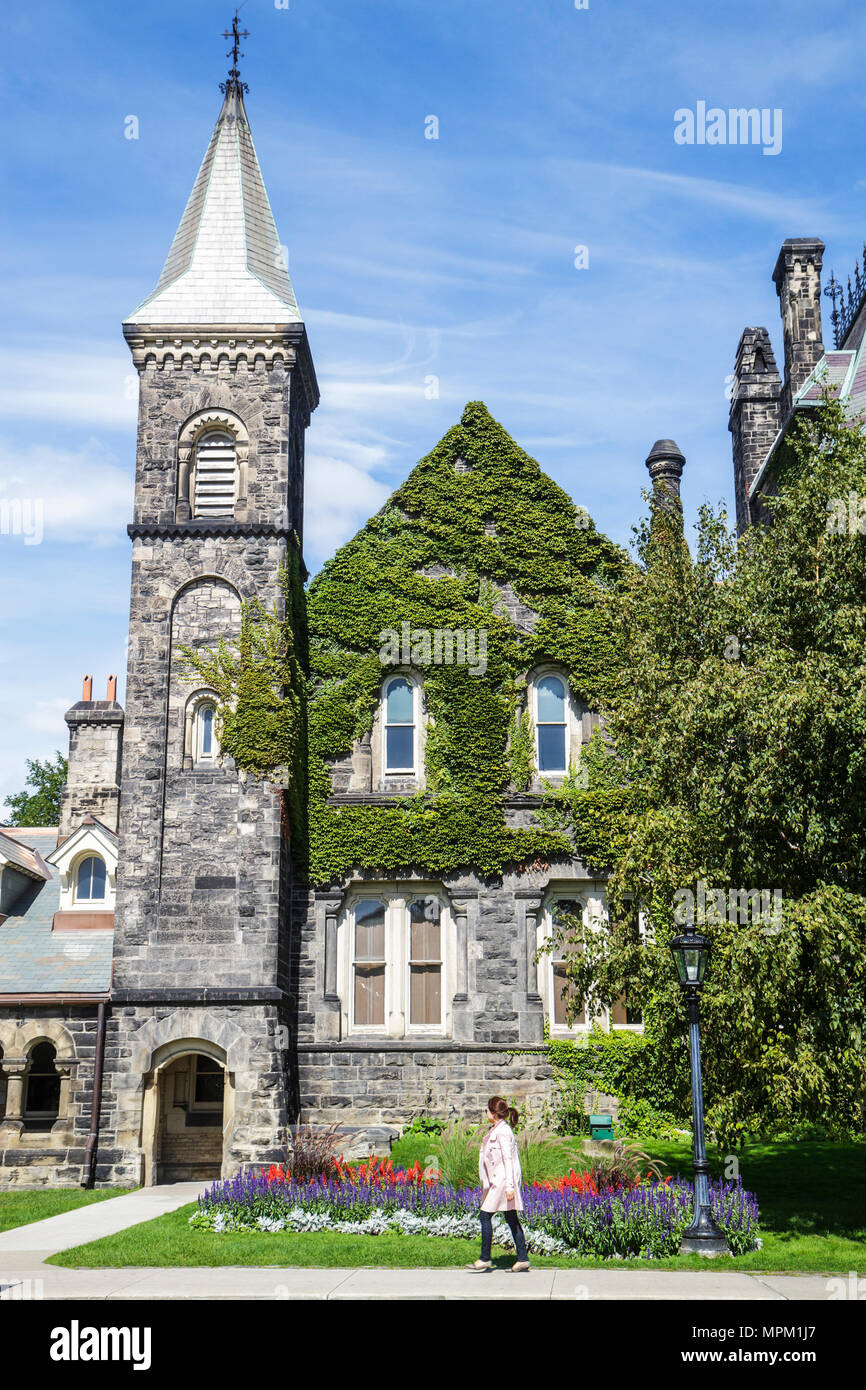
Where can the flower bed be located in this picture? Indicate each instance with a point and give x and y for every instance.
(571, 1217)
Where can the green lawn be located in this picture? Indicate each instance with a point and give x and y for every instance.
(813, 1217)
(20, 1208)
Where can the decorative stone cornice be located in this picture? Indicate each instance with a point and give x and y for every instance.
(205, 526)
(224, 347)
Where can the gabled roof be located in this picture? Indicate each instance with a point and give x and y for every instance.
(226, 265)
(843, 371)
(22, 857)
(91, 833)
(34, 959)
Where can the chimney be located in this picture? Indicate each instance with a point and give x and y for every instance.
(756, 414)
(93, 776)
(797, 278)
(665, 464)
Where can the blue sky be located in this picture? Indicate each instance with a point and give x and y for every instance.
(410, 257)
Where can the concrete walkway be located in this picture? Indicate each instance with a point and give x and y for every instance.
(96, 1220)
(42, 1281)
(23, 1275)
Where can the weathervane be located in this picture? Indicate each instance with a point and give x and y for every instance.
(234, 84)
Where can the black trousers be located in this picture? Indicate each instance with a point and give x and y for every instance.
(513, 1225)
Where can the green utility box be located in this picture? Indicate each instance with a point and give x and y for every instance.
(601, 1126)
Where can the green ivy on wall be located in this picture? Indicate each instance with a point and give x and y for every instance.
(475, 529)
(260, 684)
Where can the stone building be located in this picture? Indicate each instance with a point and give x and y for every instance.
(179, 979)
(765, 402)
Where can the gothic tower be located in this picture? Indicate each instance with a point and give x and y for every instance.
(197, 1080)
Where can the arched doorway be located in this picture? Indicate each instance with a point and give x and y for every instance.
(190, 1117)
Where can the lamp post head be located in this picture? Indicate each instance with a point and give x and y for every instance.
(691, 952)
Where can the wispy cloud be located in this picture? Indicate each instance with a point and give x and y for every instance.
(86, 386)
(82, 494)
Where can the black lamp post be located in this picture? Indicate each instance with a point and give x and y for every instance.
(702, 1237)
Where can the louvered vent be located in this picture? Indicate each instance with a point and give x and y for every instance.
(215, 471)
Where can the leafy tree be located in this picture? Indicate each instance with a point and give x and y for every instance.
(736, 734)
(41, 806)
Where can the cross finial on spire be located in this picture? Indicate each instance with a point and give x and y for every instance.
(234, 84)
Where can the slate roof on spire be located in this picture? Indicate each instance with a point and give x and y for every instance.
(226, 265)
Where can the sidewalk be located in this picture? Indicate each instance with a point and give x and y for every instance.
(40, 1281)
(24, 1276)
(92, 1222)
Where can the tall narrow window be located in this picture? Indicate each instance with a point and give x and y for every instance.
(206, 747)
(368, 966)
(42, 1100)
(551, 714)
(215, 475)
(564, 989)
(90, 880)
(425, 963)
(399, 725)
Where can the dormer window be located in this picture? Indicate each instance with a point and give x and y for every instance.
(90, 880)
(551, 725)
(400, 698)
(215, 485)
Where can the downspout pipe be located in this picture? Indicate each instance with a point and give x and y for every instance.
(98, 1067)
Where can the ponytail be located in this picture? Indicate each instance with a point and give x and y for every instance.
(503, 1111)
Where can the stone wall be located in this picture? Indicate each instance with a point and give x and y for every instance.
(495, 1039)
(53, 1157)
(93, 777)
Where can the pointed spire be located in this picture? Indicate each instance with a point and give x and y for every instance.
(226, 264)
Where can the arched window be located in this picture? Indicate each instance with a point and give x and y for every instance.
(90, 880)
(551, 724)
(400, 723)
(215, 486)
(42, 1098)
(204, 733)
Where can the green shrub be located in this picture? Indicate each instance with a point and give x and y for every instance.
(640, 1120)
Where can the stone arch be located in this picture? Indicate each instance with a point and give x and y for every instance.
(46, 1030)
(183, 1026)
(203, 695)
(162, 1042)
(219, 418)
(205, 607)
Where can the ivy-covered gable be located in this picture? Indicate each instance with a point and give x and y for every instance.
(477, 540)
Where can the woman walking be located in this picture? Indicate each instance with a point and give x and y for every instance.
(499, 1171)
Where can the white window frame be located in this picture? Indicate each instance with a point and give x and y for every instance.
(562, 1030)
(376, 1029)
(199, 755)
(425, 1029)
(416, 704)
(594, 901)
(89, 904)
(538, 676)
(396, 897)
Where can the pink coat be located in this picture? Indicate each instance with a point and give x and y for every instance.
(499, 1169)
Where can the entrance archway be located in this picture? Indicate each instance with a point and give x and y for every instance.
(190, 1105)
